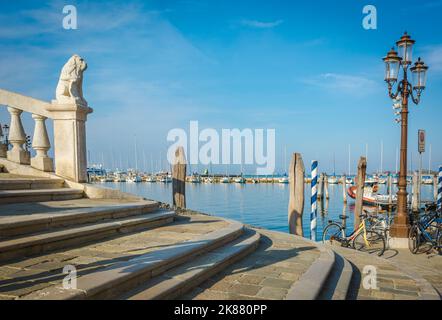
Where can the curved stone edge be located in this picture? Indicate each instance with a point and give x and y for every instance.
(185, 277)
(146, 266)
(427, 289)
(428, 292)
(309, 286)
(343, 286)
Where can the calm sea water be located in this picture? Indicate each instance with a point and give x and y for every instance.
(263, 205)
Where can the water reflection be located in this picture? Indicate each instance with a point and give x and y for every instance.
(263, 205)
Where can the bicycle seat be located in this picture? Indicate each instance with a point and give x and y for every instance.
(341, 216)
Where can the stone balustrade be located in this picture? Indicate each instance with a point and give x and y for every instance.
(69, 135)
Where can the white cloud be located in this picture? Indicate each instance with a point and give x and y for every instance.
(261, 24)
(342, 82)
(432, 56)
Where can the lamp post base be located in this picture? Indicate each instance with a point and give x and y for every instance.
(400, 227)
(398, 243)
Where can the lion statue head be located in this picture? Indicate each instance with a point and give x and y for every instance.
(70, 84)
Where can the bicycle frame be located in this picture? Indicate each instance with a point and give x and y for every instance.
(355, 233)
(423, 226)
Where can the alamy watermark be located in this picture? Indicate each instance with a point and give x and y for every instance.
(70, 18)
(370, 278)
(70, 280)
(257, 147)
(370, 20)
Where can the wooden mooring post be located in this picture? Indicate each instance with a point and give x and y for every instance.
(296, 196)
(179, 179)
(326, 186)
(344, 189)
(360, 181)
(390, 191)
(320, 187)
(415, 192)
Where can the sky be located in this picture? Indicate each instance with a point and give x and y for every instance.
(307, 69)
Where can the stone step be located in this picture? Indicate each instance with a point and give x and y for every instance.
(15, 223)
(338, 282)
(19, 196)
(23, 183)
(113, 281)
(183, 278)
(279, 261)
(312, 282)
(43, 242)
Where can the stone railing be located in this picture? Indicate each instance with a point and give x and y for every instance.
(69, 135)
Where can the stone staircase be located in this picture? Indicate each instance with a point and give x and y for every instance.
(127, 248)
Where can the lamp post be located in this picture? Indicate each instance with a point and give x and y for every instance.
(404, 91)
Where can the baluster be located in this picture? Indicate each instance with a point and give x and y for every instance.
(17, 138)
(41, 145)
(3, 146)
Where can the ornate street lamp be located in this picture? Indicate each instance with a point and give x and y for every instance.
(405, 90)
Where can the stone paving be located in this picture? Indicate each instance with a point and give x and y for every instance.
(267, 273)
(428, 265)
(21, 277)
(392, 283)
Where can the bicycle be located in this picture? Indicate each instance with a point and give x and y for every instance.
(362, 238)
(379, 223)
(426, 230)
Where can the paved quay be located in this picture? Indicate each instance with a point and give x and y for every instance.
(268, 273)
(393, 281)
(428, 265)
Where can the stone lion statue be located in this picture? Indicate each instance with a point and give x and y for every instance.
(70, 85)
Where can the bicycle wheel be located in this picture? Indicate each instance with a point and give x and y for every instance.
(414, 241)
(374, 242)
(332, 234)
(439, 242)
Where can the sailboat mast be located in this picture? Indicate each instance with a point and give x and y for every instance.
(382, 155)
(285, 159)
(349, 159)
(429, 161)
(136, 155)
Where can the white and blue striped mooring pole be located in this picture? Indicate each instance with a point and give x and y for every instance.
(439, 190)
(313, 213)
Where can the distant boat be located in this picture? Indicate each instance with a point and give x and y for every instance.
(150, 179)
(224, 180)
(119, 178)
(370, 180)
(209, 180)
(195, 179)
(165, 179)
(427, 180)
(348, 181)
(371, 197)
(333, 179)
(240, 180)
(105, 179)
(284, 180)
(134, 178)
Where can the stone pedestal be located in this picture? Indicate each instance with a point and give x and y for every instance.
(397, 243)
(70, 140)
(43, 163)
(41, 145)
(17, 137)
(3, 150)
